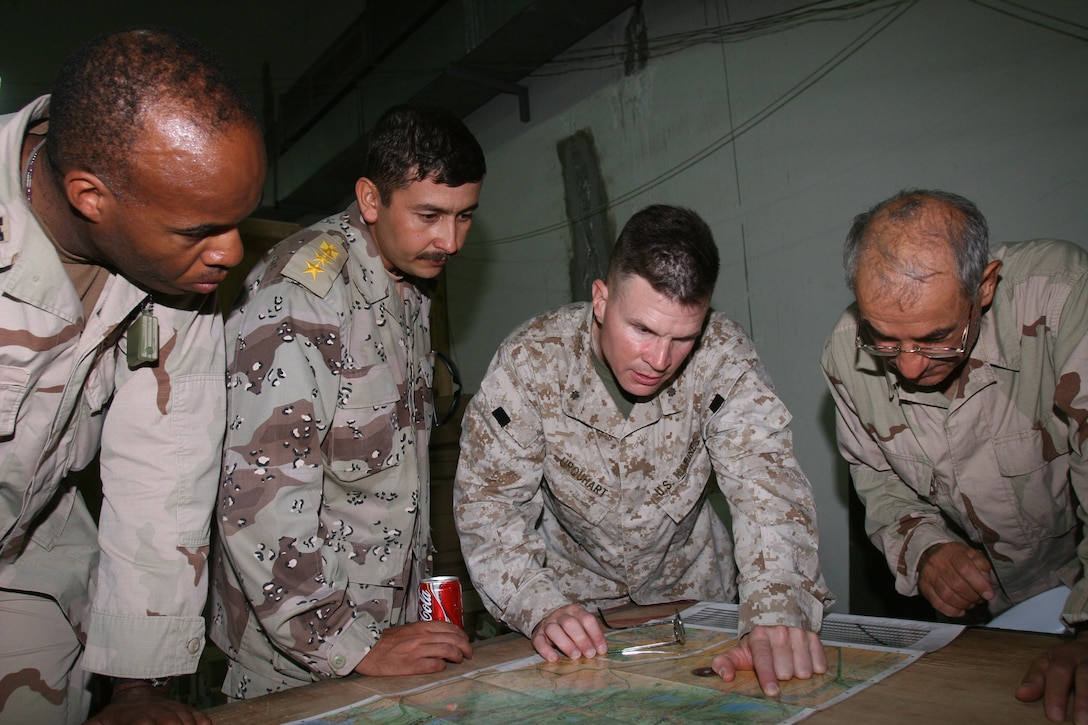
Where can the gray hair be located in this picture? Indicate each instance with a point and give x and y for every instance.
(966, 233)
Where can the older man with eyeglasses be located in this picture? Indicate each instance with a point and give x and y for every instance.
(961, 411)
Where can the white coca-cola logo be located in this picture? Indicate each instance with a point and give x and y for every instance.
(426, 604)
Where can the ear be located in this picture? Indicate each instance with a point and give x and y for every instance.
(88, 195)
(988, 287)
(366, 193)
(600, 299)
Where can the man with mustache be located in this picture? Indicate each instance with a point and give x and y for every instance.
(958, 377)
(587, 455)
(324, 505)
(119, 213)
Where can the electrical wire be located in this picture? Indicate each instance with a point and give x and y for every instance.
(897, 9)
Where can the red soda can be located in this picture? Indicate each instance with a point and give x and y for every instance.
(440, 600)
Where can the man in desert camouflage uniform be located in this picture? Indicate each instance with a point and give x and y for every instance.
(587, 455)
(957, 377)
(324, 505)
(119, 205)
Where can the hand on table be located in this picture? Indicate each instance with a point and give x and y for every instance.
(416, 648)
(774, 653)
(954, 578)
(571, 630)
(1058, 673)
(141, 704)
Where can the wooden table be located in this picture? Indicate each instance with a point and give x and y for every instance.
(970, 680)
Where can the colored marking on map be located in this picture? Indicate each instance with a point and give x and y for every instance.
(657, 687)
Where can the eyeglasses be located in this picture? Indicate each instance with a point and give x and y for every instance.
(935, 353)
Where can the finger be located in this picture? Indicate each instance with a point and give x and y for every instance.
(1032, 686)
(543, 646)
(561, 640)
(764, 666)
(724, 666)
(1059, 684)
(1080, 699)
(937, 597)
(801, 654)
(580, 627)
(970, 575)
(818, 654)
(595, 634)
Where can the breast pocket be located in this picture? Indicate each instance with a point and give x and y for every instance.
(917, 473)
(14, 384)
(371, 426)
(580, 495)
(686, 483)
(1033, 462)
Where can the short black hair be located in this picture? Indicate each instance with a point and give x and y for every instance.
(414, 142)
(670, 247)
(104, 88)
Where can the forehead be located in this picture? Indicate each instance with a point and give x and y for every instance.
(431, 194)
(637, 302)
(925, 311)
(179, 165)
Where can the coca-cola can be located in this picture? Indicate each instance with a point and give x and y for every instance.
(440, 600)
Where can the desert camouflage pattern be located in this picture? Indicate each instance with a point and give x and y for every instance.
(999, 465)
(324, 503)
(133, 588)
(558, 498)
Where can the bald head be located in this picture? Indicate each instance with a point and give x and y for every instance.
(913, 239)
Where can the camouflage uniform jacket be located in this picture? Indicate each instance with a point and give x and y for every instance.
(1000, 464)
(324, 504)
(66, 390)
(558, 498)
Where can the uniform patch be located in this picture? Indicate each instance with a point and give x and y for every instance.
(316, 264)
(500, 415)
(716, 403)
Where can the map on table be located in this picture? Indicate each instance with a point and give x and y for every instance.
(656, 686)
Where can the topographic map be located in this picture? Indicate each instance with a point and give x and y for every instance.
(656, 686)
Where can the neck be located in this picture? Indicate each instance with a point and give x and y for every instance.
(46, 197)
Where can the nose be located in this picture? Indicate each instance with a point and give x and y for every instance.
(911, 365)
(446, 237)
(657, 355)
(224, 250)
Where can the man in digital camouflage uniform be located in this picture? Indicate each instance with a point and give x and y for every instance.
(119, 205)
(324, 504)
(587, 454)
(957, 376)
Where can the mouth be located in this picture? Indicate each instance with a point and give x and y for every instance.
(647, 380)
(208, 284)
(437, 259)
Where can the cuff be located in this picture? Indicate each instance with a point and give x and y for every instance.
(143, 647)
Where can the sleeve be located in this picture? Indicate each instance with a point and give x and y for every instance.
(1071, 399)
(497, 499)
(897, 522)
(161, 445)
(773, 511)
(283, 390)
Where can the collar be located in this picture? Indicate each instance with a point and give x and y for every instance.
(584, 396)
(17, 224)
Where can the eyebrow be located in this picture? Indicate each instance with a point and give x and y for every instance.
(203, 230)
(935, 336)
(443, 210)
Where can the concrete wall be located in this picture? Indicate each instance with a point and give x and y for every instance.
(778, 139)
